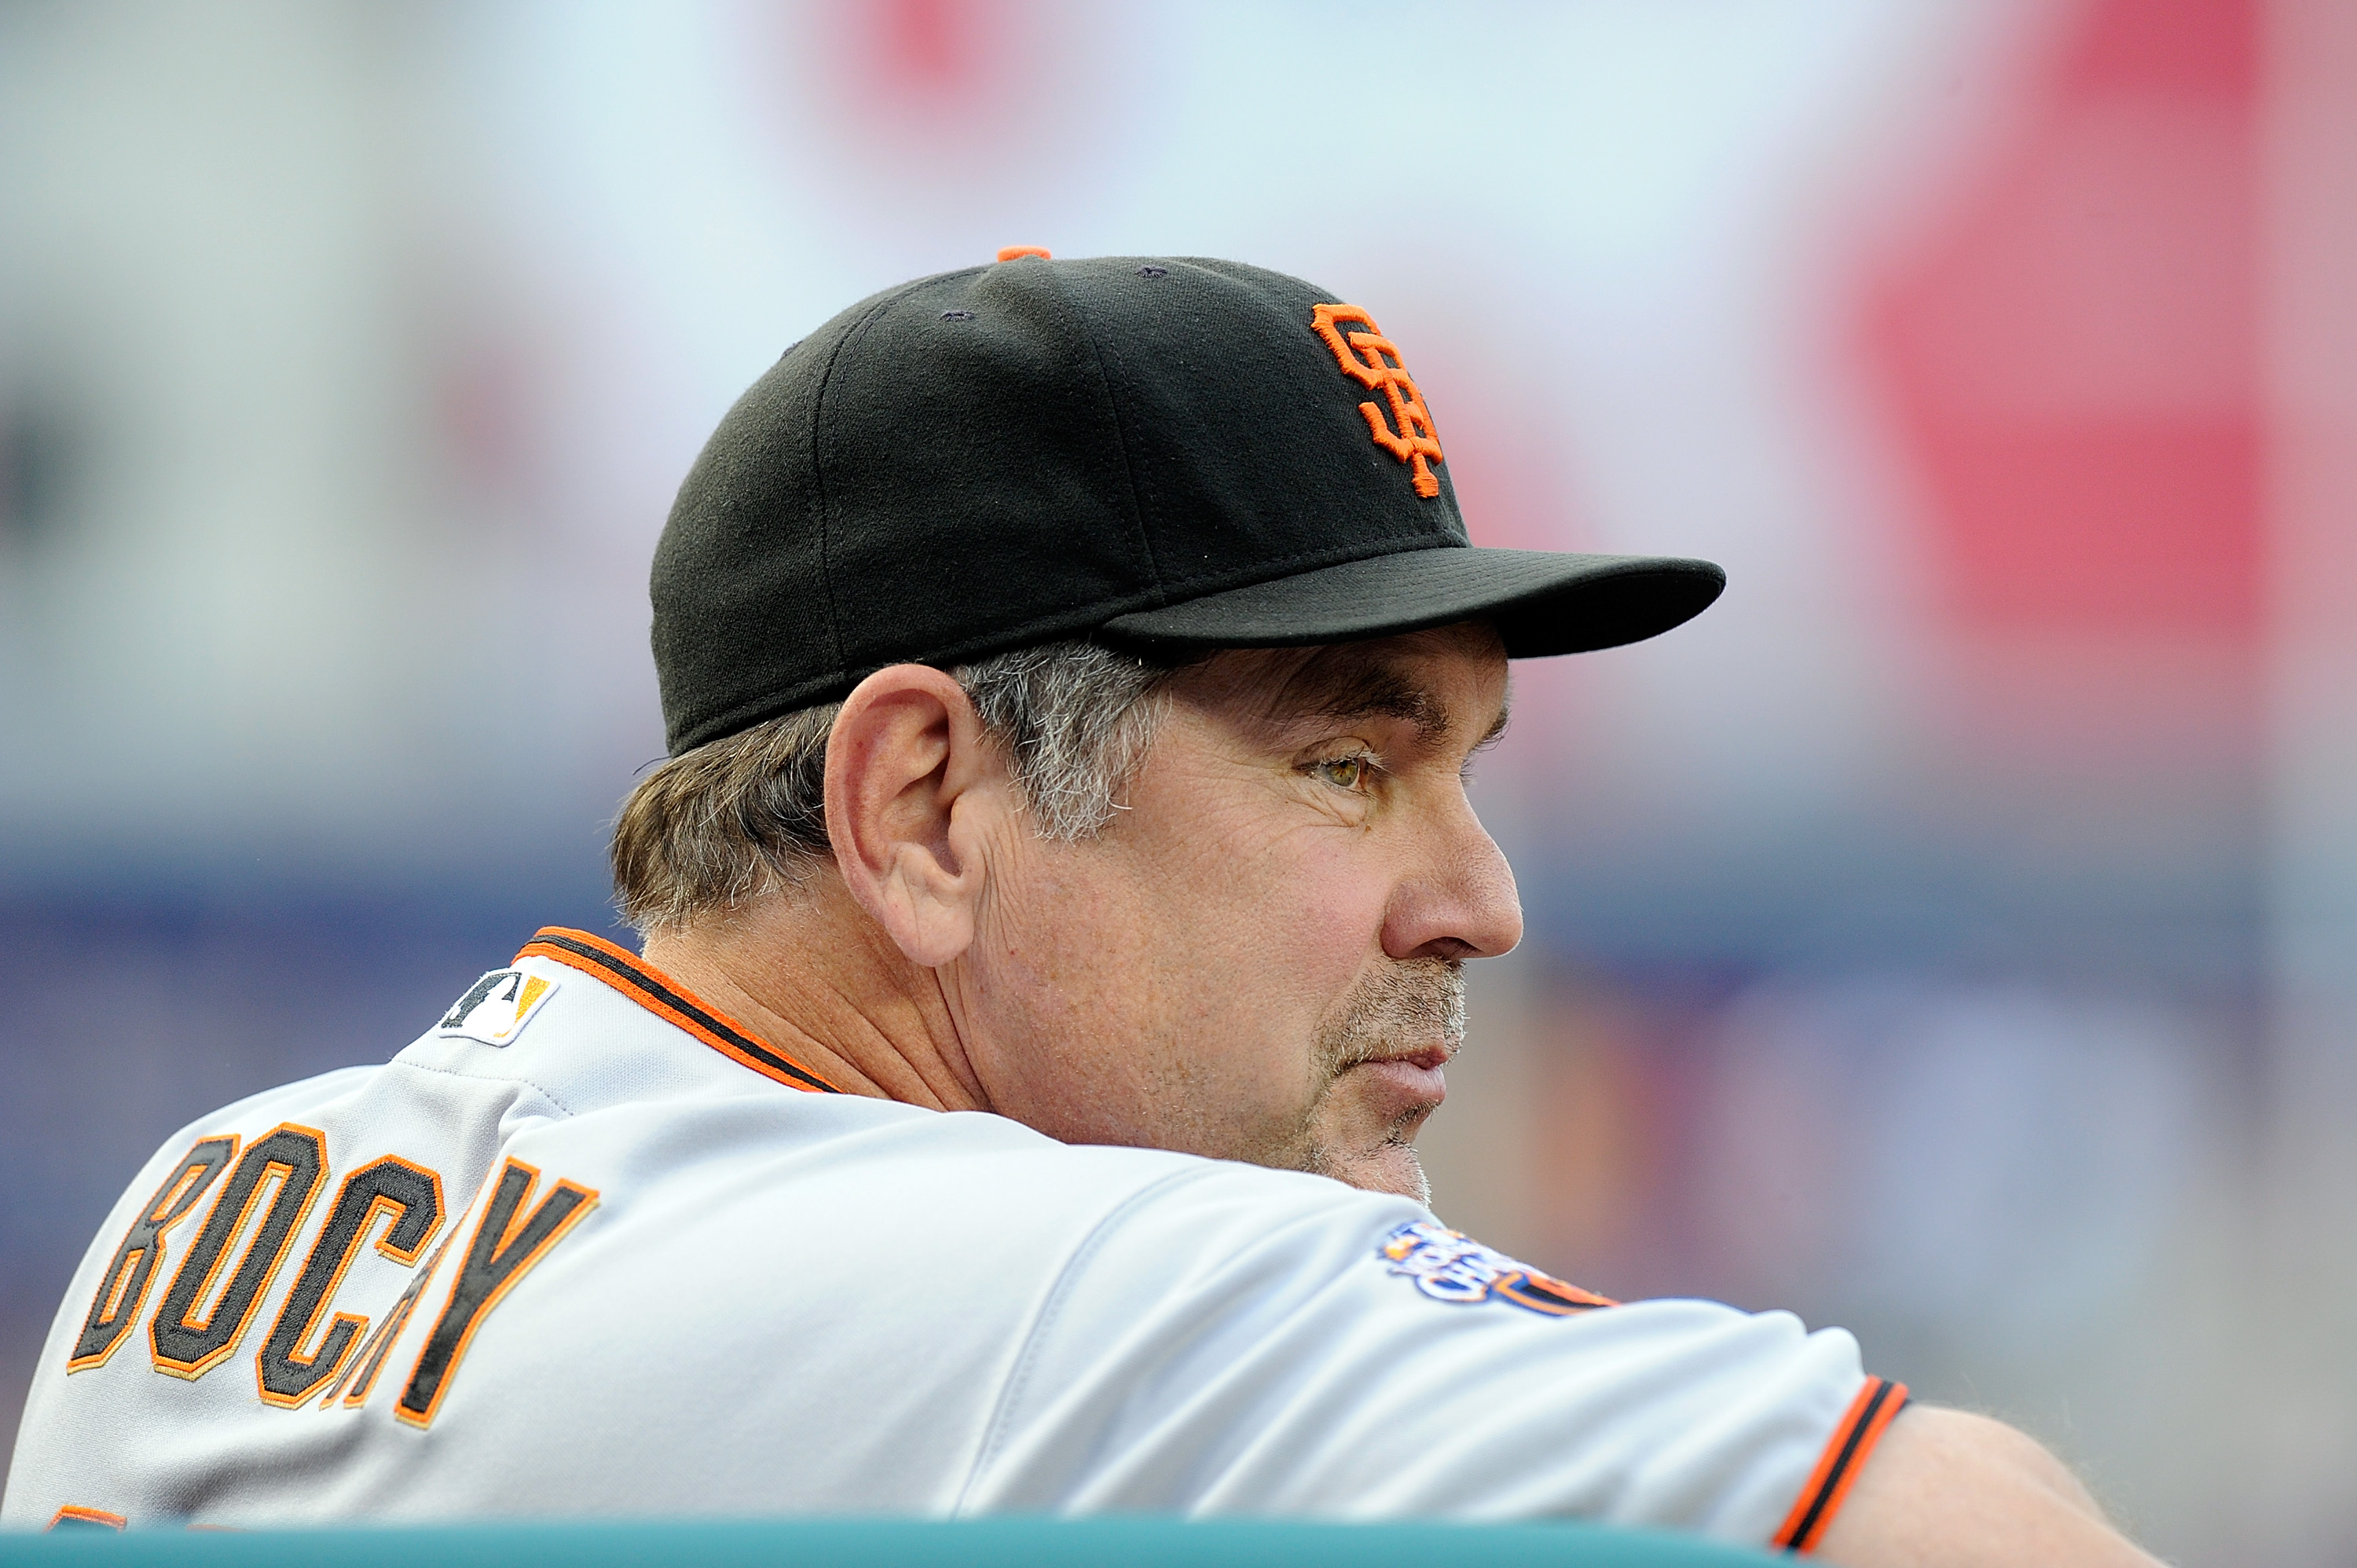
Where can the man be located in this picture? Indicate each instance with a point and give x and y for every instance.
(1055, 908)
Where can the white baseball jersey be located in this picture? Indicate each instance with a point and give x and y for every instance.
(589, 1247)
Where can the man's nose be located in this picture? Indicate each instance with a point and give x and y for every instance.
(1459, 899)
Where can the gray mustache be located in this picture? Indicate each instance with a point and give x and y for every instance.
(1413, 1004)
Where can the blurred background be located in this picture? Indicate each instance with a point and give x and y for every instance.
(1950, 936)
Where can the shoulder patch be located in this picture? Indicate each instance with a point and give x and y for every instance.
(496, 1008)
(1448, 1265)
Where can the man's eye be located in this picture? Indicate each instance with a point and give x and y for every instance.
(1343, 772)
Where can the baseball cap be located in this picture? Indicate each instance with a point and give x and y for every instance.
(1169, 454)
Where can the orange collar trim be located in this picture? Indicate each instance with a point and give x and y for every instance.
(1869, 1415)
(661, 994)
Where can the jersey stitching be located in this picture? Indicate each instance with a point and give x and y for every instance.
(485, 1077)
(1027, 1359)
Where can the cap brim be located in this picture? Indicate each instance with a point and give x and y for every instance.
(1541, 602)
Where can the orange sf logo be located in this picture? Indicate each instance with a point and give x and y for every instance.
(1373, 361)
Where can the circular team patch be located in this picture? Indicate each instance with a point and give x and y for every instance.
(1448, 1265)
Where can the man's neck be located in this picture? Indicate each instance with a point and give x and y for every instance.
(816, 980)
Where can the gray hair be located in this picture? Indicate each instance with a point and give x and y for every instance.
(745, 815)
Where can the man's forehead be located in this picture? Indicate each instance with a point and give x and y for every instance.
(1445, 681)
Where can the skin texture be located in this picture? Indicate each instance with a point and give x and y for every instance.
(1947, 1489)
(1258, 958)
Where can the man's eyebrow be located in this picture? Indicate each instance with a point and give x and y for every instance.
(1361, 691)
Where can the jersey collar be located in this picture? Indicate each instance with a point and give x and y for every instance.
(659, 993)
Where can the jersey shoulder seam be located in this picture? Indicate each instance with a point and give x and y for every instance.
(1011, 1392)
(542, 1090)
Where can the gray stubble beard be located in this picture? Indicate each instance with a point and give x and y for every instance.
(1415, 999)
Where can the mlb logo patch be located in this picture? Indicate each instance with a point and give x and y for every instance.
(496, 1008)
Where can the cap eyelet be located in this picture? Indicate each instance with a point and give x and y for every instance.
(1154, 272)
(957, 315)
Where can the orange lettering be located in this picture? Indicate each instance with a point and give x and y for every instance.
(1374, 361)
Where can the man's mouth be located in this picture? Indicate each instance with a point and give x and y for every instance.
(1407, 1081)
(1401, 1030)
(1432, 1058)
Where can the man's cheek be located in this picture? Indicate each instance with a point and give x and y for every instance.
(1333, 923)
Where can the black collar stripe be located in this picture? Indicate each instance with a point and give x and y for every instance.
(659, 993)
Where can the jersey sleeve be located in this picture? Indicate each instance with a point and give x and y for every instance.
(1244, 1341)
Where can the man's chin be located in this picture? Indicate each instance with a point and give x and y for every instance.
(1389, 1168)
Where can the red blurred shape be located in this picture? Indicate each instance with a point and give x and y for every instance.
(926, 45)
(2073, 356)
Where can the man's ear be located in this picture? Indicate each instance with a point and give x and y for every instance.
(910, 784)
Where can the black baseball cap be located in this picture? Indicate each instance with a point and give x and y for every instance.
(1169, 454)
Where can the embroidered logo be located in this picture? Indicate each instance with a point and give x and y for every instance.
(1373, 361)
(496, 1007)
(1448, 1265)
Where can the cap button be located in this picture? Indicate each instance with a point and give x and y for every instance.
(1011, 252)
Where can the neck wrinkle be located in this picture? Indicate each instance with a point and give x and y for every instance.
(811, 975)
